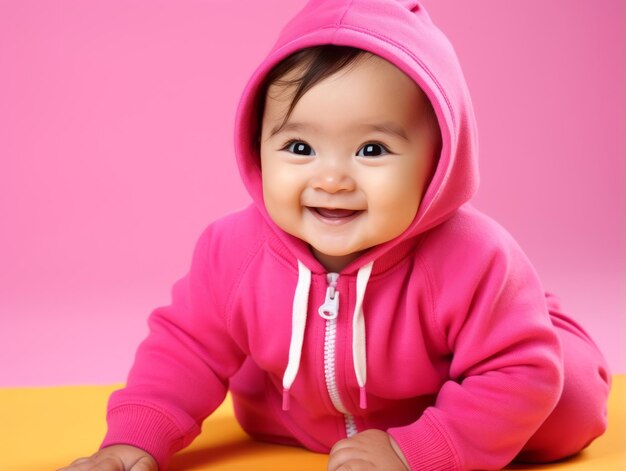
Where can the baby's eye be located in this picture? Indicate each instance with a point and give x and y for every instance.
(372, 149)
(299, 148)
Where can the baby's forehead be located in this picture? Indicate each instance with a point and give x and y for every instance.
(365, 91)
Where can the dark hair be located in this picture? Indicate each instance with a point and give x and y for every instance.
(319, 62)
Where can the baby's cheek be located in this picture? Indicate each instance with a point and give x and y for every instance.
(282, 203)
(278, 179)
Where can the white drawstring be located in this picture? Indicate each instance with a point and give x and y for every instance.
(359, 356)
(298, 323)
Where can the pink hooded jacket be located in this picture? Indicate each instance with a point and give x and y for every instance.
(442, 336)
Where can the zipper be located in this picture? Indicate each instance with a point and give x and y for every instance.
(329, 311)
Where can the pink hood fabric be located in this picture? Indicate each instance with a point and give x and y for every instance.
(442, 336)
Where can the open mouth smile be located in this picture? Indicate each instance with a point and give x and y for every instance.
(335, 216)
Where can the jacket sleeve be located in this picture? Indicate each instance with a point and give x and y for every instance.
(506, 366)
(181, 370)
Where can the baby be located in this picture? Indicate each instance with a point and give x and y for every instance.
(361, 307)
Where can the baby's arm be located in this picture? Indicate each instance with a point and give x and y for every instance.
(490, 316)
(115, 458)
(181, 370)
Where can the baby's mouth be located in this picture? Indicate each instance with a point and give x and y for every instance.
(334, 216)
(335, 213)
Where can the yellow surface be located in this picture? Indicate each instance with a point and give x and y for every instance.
(42, 429)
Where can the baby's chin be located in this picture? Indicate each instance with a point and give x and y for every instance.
(334, 259)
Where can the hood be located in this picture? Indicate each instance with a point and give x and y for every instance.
(401, 32)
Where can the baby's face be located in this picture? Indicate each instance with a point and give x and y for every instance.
(348, 170)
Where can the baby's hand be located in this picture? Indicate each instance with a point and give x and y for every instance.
(115, 458)
(368, 450)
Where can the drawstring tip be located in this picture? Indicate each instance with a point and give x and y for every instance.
(362, 398)
(286, 401)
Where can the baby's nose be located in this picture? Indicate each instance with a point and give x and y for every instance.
(333, 176)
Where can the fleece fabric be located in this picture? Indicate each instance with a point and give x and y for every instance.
(463, 361)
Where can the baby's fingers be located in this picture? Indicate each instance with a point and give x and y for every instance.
(345, 455)
(97, 463)
(144, 464)
(351, 465)
(115, 458)
(74, 466)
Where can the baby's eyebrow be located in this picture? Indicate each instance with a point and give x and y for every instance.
(292, 126)
(386, 127)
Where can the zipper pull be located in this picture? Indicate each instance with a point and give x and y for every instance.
(330, 309)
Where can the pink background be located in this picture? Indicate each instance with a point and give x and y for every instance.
(116, 126)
